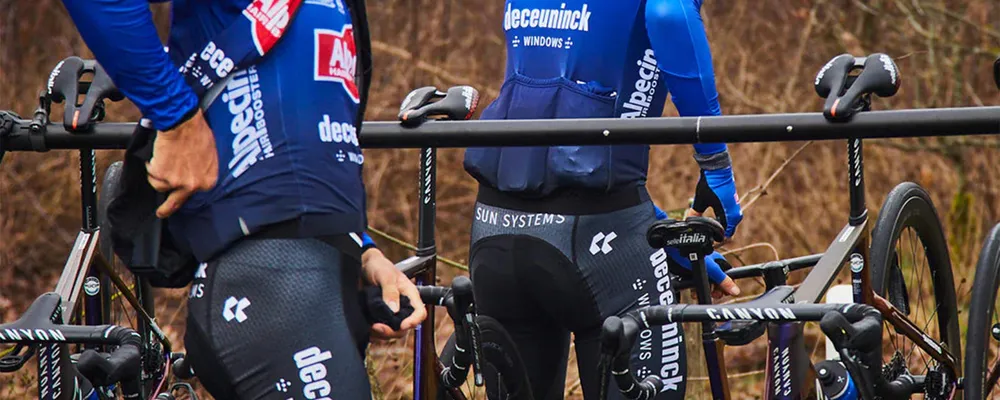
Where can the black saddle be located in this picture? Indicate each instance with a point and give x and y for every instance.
(457, 104)
(694, 233)
(846, 94)
(65, 84)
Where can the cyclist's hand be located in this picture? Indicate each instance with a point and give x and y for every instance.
(722, 284)
(382, 272)
(184, 162)
(717, 189)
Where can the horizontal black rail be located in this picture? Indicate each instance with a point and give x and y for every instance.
(680, 130)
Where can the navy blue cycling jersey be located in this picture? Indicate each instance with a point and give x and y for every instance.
(593, 59)
(285, 128)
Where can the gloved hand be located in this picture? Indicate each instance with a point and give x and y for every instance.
(717, 189)
(715, 264)
(377, 311)
(716, 186)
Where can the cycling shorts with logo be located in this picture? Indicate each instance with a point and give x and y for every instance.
(544, 274)
(279, 319)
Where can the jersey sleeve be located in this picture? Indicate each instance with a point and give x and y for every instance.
(123, 38)
(680, 43)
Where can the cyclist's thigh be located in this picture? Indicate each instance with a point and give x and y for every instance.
(625, 273)
(502, 294)
(278, 319)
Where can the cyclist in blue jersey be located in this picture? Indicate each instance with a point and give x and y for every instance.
(558, 240)
(264, 182)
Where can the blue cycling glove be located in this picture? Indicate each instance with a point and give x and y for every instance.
(716, 273)
(717, 189)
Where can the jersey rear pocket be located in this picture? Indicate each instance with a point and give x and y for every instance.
(540, 169)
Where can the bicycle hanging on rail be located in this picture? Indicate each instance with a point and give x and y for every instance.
(883, 296)
(17, 134)
(136, 362)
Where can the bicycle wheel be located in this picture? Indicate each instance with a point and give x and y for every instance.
(984, 325)
(911, 268)
(501, 364)
(118, 310)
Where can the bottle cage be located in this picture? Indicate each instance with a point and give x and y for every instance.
(458, 103)
(847, 94)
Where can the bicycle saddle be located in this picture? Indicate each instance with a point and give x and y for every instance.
(458, 103)
(699, 232)
(845, 94)
(64, 84)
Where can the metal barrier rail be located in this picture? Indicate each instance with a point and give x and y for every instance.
(597, 131)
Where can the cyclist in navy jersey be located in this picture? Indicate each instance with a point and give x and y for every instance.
(558, 240)
(264, 183)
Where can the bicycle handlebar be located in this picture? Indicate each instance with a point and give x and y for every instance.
(36, 327)
(618, 334)
(458, 300)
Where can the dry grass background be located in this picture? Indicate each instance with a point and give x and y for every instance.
(766, 53)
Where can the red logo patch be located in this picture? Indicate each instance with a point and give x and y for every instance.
(269, 18)
(335, 58)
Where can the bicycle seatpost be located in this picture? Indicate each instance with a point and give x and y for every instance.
(695, 238)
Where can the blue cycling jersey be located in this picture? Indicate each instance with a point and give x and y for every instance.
(285, 128)
(593, 59)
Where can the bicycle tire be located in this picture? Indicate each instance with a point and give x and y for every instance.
(109, 188)
(151, 364)
(981, 316)
(499, 359)
(908, 206)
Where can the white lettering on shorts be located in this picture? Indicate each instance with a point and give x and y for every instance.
(670, 334)
(312, 372)
(517, 220)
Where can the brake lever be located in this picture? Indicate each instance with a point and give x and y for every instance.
(463, 302)
(857, 372)
(477, 347)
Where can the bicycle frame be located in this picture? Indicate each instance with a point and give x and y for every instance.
(423, 267)
(87, 269)
(794, 377)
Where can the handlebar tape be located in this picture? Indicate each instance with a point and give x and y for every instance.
(467, 345)
(122, 365)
